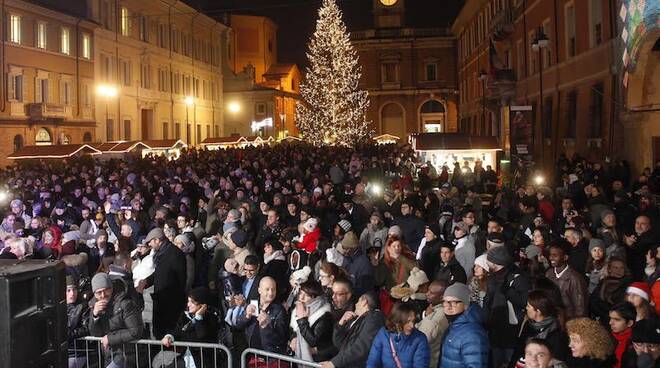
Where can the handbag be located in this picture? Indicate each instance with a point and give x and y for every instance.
(397, 362)
(166, 359)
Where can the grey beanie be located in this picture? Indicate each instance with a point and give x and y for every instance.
(596, 243)
(101, 281)
(395, 230)
(532, 251)
(459, 291)
(605, 213)
(499, 256)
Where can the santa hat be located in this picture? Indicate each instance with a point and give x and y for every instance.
(311, 224)
(639, 288)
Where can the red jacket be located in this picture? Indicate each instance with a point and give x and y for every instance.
(547, 211)
(310, 241)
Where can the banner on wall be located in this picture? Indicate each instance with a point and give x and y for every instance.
(522, 128)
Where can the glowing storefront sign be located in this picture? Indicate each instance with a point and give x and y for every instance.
(267, 122)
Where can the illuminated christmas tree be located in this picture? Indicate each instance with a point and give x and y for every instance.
(333, 107)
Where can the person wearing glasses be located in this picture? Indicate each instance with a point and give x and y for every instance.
(116, 319)
(646, 342)
(465, 344)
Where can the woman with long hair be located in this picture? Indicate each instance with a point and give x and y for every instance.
(638, 293)
(328, 273)
(398, 260)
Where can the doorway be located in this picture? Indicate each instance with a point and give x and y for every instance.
(146, 120)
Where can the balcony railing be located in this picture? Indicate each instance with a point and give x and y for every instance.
(501, 25)
(43, 110)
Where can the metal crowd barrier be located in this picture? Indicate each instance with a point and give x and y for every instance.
(88, 352)
(255, 358)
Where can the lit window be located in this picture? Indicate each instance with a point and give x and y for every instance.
(65, 46)
(41, 35)
(86, 46)
(124, 22)
(15, 29)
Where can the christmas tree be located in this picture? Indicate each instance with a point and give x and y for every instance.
(333, 107)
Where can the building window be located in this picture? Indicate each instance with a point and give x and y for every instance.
(110, 130)
(571, 114)
(125, 69)
(165, 130)
(15, 28)
(87, 137)
(162, 35)
(533, 55)
(177, 130)
(105, 67)
(145, 76)
(127, 130)
(596, 110)
(431, 71)
(43, 138)
(198, 132)
(42, 35)
(596, 22)
(144, 29)
(175, 40)
(125, 22)
(390, 72)
(18, 142)
(547, 51)
(189, 133)
(41, 90)
(86, 46)
(15, 87)
(260, 108)
(520, 59)
(571, 46)
(65, 44)
(65, 92)
(208, 131)
(86, 95)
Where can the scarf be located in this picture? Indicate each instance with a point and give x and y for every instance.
(453, 318)
(622, 339)
(543, 328)
(276, 255)
(317, 308)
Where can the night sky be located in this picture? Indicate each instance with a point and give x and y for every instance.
(296, 19)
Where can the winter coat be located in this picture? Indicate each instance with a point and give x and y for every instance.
(412, 350)
(398, 271)
(77, 326)
(316, 331)
(609, 292)
(578, 256)
(434, 326)
(310, 241)
(450, 272)
(354, 339)
(169, 281)
(430, 256)
(466, 344)
(273, 337)
(276, 267)
(464, 253)
(192, 328)
(574, 293)
(122, 323)
(505, 287)
(413, 230)
(360, 270)
(370, 234)
(551, 332)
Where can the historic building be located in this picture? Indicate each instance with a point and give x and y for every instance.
(48, 78)
(558, 57)
(260, 93)
(158, 71)
(410, 73)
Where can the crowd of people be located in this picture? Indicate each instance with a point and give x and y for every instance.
(346, 257)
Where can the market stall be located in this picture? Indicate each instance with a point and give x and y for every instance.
(56, 152)
(386, 139)
(444, 149)
(171, 148)
(216, 143)
(119, 149)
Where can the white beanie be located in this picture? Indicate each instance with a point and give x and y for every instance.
(311, 224)
(481, 261)
(301, 275)
(333, 256)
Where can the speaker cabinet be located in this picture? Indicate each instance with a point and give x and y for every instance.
(33, 320)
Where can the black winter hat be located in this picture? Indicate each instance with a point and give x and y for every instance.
(499, 256)
(646, 331)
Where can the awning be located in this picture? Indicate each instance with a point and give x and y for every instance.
(53, 152)
(452, 141)
(119, 147)
(386, 138)
(290, 138)
(164, 144)
(256, 140)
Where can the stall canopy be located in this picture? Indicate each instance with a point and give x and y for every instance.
(224, 142)
(120, 147)
(386, 139)
(258, 141)
(289, 139)
(53, 152)
(167, 147)
(444, 149)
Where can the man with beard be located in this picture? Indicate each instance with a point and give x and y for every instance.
(638, 244)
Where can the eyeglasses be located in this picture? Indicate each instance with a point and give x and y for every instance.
(645, 346)
(451, 303)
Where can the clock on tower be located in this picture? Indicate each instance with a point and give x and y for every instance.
(388, 13)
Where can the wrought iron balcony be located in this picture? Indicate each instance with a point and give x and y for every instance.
(43, 110)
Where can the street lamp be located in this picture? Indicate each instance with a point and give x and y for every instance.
(540, 42)
(483, 77)
(234, 107)
(189, 101)
(108, 91)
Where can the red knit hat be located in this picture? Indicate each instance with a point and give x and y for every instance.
(639, 288)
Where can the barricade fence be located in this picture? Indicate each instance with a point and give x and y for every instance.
(89, 352)
(255, 358)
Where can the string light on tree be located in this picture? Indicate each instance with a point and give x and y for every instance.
(333, 108)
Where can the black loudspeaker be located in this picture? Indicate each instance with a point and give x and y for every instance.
(33, 320)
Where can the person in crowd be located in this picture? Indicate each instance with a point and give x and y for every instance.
(374, 233)
(596, 263)
(571, 283)
(169, 281)
(342, 298)
(622, 318)
(541, 322)
(356, 263)
(398, 261)
(538, 354)
(479, 282)
(590, 344)
(579, 250)
(186, 244)
(312, 324)
(646, 343)
(354, 333)
(464, 250)
(429, 248)
(116, 319)
(638, 294)
(275, 266)
(399, 343)
(448, 269)
(466, 341)
(77, 312)
(434, 322)
(198, 323)
(412, 226)
(637, 244)
(328, 273)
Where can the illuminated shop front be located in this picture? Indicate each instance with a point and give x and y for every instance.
(444, 149)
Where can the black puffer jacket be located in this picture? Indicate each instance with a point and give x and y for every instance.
(122, 323)
(318, 335)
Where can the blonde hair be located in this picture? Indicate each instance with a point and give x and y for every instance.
(595, 337)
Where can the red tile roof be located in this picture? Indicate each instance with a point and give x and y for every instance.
(54, 151)
(452, 141)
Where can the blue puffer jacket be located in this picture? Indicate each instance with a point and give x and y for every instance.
(466, 343)
(413, 350)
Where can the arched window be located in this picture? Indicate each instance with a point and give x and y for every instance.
(87, 137)
(18, 142)
(433, 116)
(43, 137)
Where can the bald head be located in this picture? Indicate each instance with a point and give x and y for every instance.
(267, 290)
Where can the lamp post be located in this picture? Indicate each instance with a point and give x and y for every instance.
(540, 42)
(188, 101)
(483, 77)
(107, 91)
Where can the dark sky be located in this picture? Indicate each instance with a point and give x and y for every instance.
(296, 19)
